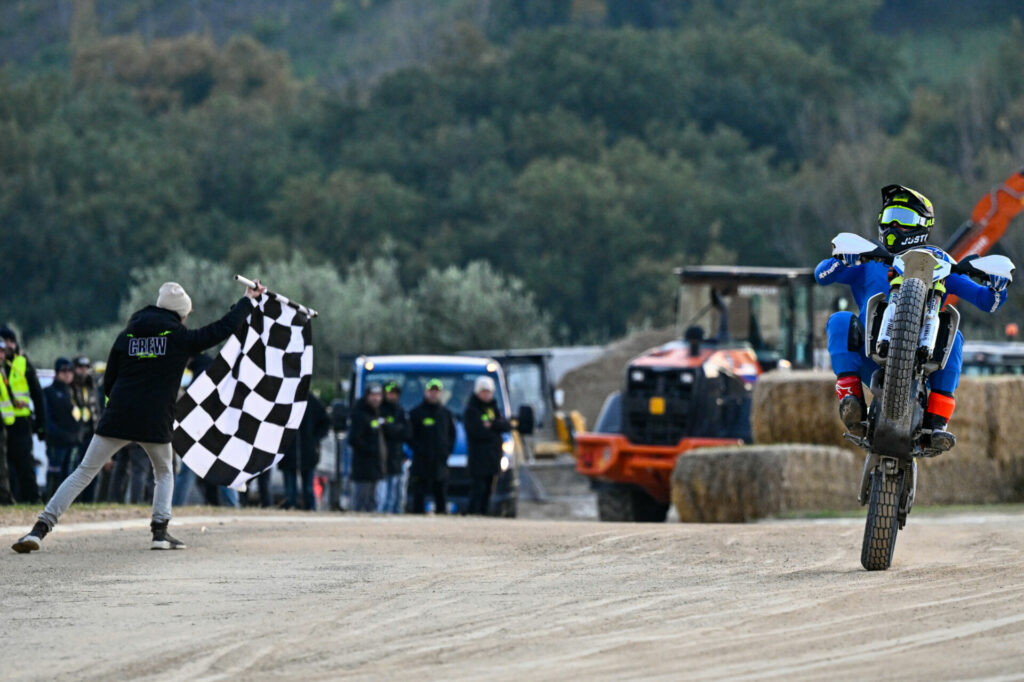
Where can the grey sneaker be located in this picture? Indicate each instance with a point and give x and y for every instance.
(33, 541)
(851, 411)
(162, 539)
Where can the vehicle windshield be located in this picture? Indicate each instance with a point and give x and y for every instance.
(526, 387)
(775, 321)
(458, 386)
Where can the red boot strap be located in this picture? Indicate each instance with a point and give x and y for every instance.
(849, 385)
(942, 405)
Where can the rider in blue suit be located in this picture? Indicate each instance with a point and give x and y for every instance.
(904, 222)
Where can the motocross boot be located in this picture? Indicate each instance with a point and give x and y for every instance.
(853, 413)
(934, 434)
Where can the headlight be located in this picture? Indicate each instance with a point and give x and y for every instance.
(636, 375)
(508, 447)
(505, 463)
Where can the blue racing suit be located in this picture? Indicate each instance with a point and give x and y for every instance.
(845, 332)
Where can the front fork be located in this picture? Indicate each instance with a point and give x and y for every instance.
(889, 466)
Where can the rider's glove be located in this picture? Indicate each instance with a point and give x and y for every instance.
(848, 259)
(997, 284)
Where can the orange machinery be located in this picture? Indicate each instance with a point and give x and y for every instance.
(696, 393)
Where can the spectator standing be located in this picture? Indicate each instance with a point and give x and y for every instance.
(432, 439)
(366, 440)
(303, 455)
(6, 419)
(61, 426)
(266, 495)
(396, 433)
(87, 410)
(484, 427)
(25, 393)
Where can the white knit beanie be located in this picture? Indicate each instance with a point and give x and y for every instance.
(173, 297)
(483, 383)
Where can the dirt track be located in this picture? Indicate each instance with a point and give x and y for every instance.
(333, 596)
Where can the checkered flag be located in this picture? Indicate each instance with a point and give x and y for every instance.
(236, 419)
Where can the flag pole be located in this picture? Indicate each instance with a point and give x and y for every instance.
(252, 285)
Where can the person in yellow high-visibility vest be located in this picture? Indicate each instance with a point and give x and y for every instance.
(29, 416)
(6, 419)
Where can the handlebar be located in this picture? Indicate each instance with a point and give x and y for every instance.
(963, 267)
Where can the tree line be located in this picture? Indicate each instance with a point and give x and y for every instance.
(559, 171)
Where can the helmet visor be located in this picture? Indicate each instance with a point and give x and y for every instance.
(901, 215)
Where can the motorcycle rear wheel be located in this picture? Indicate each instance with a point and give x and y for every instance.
(882, 523)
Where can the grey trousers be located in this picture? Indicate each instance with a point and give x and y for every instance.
(99, 452)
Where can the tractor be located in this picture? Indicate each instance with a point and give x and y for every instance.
(696, 392)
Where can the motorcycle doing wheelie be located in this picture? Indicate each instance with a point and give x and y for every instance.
(910, 335)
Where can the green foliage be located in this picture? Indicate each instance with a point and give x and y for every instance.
(478, 307)
(581, 149)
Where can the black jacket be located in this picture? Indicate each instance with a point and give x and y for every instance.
(483, 442)
(306, 444)
(145, 367)
(396, 433)
(366, 440)
(62, 429)
(432, 439)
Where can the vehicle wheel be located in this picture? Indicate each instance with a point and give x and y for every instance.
(615, 503)
(647, 509)
(882, 523)
(906, 334)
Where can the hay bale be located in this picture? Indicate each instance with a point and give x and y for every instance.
(796, 407)
(978, 469)
(1004, 398)
(986, 466)
(800, 407)
(587, 386)
(972, 423)
(727, 485)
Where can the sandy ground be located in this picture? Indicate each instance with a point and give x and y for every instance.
(332, 596)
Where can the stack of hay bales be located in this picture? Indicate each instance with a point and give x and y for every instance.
(986, 466)
(735, 484)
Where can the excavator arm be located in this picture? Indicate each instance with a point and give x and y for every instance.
(989, 220)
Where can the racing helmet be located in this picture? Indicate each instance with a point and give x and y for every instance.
(906, 218)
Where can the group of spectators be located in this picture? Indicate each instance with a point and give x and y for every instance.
(63, 416)
(380, 428)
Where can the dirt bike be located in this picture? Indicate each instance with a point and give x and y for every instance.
(909, 335)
